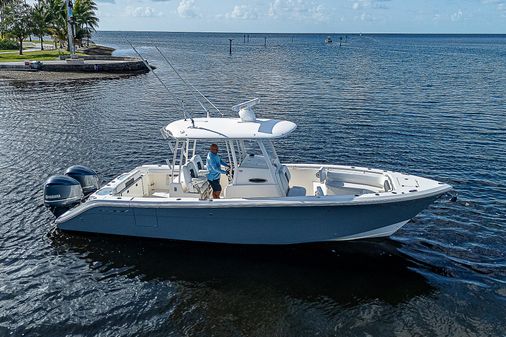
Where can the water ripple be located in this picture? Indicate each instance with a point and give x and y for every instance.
(431, 106)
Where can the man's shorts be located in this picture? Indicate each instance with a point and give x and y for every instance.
(215, 185)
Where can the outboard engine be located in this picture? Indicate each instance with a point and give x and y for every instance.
(61, 193)
(86, 177)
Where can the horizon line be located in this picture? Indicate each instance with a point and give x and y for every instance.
(299, 33)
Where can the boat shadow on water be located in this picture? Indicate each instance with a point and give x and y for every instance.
(345, 273)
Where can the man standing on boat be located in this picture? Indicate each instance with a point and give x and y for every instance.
(214, 163)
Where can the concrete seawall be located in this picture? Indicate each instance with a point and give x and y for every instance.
(87, 64)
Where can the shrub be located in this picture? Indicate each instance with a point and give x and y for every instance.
(8, 44)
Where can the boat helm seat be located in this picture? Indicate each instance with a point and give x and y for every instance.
(194, 172)
(190, 181)
(198, 162)
(186, 178)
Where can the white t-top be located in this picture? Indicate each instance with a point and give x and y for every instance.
(229, 128)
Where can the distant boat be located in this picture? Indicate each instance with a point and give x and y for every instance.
(328, 40)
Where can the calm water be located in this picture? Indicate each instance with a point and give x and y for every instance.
(428, 105)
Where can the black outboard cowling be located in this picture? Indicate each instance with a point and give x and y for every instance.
(61, 193)
(86, 177)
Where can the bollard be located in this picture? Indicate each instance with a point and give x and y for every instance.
(265, 41)
(230, 46)
(244, 38)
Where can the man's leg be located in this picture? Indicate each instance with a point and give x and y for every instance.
(215, 185)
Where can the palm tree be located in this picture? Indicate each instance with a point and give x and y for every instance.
(57, 19)
(86, 19)
(40, 20)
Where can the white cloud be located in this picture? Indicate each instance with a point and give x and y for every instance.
(365, 9)
(187, 9)
(456, 16)
(377, 4)
(297, 9)
(367, 17)
(499, 4)
(142, 11)
(243, 12)
(319, 13)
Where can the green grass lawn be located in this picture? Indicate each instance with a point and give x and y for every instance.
(43, 55)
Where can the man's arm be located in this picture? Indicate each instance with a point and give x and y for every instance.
(223, 163)
(216, 166)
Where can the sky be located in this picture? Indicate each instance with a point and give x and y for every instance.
(305, 16)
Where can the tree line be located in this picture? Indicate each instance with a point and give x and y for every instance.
(18, 21)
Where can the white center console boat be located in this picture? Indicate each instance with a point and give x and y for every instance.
(263, 201)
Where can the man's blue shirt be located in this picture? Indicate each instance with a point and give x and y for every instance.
(214, 163)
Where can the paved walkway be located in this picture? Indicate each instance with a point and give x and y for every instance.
(28, 50)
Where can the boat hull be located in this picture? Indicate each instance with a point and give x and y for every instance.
(249, 225)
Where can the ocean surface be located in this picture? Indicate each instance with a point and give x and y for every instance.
(428, 105)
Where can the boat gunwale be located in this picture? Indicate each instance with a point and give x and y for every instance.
(315, 201)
